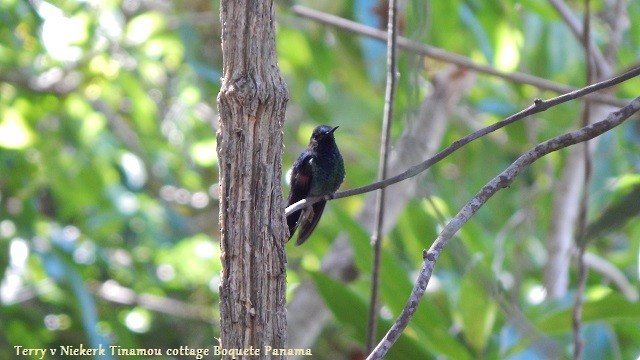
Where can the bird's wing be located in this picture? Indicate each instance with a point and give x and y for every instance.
(300, 186)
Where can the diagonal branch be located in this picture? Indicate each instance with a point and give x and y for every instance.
(445, 56)
(503, 180)
(537, 107)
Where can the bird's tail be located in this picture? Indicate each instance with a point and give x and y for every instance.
(308, 221)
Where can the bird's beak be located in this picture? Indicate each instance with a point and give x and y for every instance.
(332, 130)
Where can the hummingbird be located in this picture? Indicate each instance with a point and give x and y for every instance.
(318, 171)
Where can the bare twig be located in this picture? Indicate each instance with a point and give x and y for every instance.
(574, 25)
(501, 181)
(389, 105)
(445, 56)
(56, 81)
(590, 73)
(114, 292)
(613, 274)
(590, 62)
(576, 313)
(537, 107)
(619, 22)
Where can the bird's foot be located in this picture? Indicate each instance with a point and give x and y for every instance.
(328, 197)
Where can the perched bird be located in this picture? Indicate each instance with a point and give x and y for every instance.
(318, 171)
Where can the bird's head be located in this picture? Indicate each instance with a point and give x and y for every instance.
(323, 133)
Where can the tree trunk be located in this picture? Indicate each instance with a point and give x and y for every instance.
(252, 104)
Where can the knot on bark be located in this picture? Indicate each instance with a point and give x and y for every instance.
(240, 90)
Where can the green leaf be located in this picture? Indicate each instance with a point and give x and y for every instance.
(613, 307)
(143, 26)
(477, 30)
(477, 312)
(624, 208)
(350, 309)
(14, 131)
(293, 48)
(428, 323)
(395, 283)
(60, 265)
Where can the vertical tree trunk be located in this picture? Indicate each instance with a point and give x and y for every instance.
(252, 104)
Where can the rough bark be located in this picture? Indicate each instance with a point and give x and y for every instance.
(252, 104)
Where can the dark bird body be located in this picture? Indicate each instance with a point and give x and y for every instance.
(318, 171)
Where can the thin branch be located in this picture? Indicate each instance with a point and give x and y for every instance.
(389, 105)
(619, 22)
(503, 180)
(574, 24)
(55, 82)
(537, 107)
(613, 274)
(114, 292)
(578, 343)
(445, 56)
(576, 313)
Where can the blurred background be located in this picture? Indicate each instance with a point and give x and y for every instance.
(109, 194)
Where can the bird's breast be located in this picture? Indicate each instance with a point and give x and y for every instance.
(328, 174)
